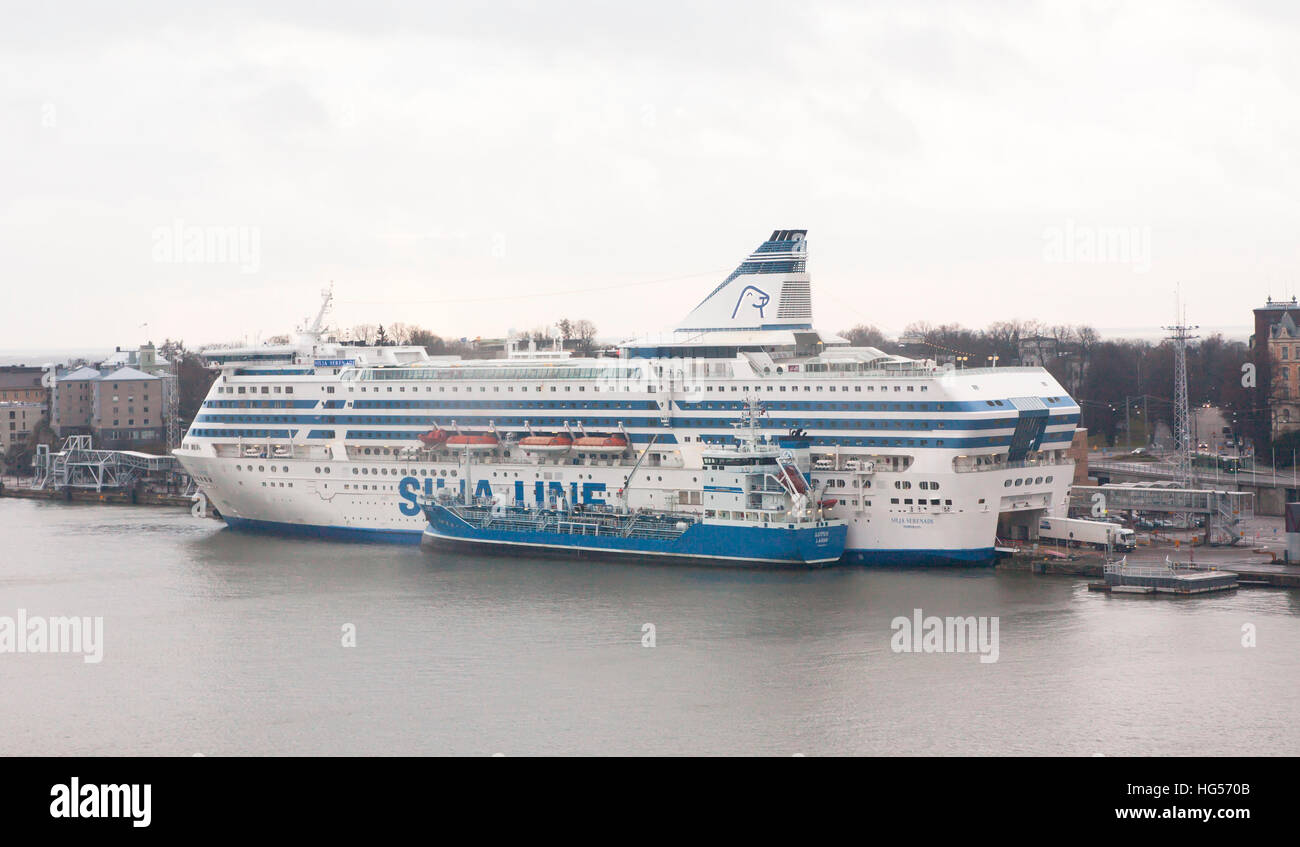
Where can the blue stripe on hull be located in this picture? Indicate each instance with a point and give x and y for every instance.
(713, 543)
(920, 558)
(884, 558)
(333, 533)
(483, 547)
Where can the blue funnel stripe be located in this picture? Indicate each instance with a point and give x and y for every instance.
(755, 265)
(777, 247)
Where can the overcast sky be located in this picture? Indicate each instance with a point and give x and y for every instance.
(478, 167)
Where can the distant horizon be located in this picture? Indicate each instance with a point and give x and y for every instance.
(36, 357)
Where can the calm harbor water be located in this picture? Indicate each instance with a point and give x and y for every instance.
(222, 643)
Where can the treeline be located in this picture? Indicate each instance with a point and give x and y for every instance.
(397, 333)
(194, 376)
(577, 335)
(1101, 374)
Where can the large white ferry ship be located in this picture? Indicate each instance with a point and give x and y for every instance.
(925, 464)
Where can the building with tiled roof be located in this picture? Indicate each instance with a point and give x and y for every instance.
(119, 405)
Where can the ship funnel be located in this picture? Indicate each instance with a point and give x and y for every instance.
(770, 289)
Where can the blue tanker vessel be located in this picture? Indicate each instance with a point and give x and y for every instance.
(754, 507)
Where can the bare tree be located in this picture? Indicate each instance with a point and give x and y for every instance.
(399, 332)
(584, 336)
(432, 344)
(865, 335)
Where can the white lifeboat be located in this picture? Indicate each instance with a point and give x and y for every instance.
(556, 444)
(474, 441)
(605, 445)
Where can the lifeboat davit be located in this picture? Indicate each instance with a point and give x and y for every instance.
(550, 444)
(796, 480)
(479, 441)
(601, 444)
(433, 437)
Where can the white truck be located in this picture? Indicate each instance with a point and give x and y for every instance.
(1077, 532)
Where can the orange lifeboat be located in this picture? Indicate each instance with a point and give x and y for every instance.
(474, 441)
(601, 444)
(796, 480)
(433, 437)
(558, 443)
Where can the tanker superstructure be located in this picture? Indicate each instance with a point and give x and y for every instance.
(920, 461)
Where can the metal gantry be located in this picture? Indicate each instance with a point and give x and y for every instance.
(1223, 510)
(80, 465)
(1183, 447)
(173, 388)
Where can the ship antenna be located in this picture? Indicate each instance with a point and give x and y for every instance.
(749, 421)
(327, 296)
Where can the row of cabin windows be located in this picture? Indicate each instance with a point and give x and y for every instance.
(265, 389)
(1026, 481)
(839, 483)
(650, 389)
(276, 389)
(394, 472)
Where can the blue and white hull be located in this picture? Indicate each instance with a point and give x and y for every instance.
(926, 464)
(414, 534)
(813, 545)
